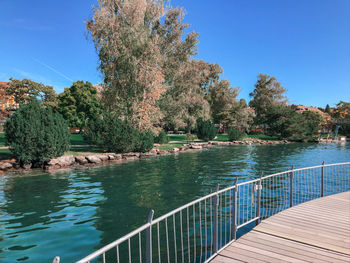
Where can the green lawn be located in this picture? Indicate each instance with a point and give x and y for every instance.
(77, 139)
(5, 154)
(2, 139)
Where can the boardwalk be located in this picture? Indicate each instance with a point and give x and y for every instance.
(316, 231)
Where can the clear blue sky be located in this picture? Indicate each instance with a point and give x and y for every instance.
(305, 44)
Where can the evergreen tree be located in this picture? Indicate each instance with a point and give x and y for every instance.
(35, 134)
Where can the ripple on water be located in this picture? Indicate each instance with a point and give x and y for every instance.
(70, 214)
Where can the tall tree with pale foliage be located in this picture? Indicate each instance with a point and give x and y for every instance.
(124, 33)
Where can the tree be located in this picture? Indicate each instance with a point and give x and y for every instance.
(26, 90)
(222, 99)
(186, 101)
(79, 103)
(205, 130)
(35, 134)
(125, 36)
(285, 123)
(267, 91)
(342, 110)
(327, 109)
(112, 134)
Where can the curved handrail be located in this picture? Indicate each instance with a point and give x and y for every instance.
(250, 190)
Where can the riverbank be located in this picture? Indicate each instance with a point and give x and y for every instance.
(92, 159)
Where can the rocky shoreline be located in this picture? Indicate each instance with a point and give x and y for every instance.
(104, 158)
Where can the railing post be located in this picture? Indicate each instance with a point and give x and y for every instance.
(149, 238)
(322, 180)
(291, 187)
(234, 211)
(258, 201)
(215, 220)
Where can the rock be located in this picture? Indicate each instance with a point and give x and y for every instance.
(81, 159)
(111, 156)
(196, 147)
(163, 152)
(93, 159)
(148, 154)
(5, 165)
(176, 149)
(102, 157)
(27, 166)
(127, 155)
(118, 156)
(53, 162)
(66, 160)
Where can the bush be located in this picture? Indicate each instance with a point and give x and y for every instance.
(205, 130)
(111, 134)
(162, 138)
(144, 141)
(114, 135)
(36, 134)
(235, 134)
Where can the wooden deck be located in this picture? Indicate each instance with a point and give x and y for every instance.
(316, 231)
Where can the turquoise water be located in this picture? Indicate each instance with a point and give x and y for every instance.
(73, 213)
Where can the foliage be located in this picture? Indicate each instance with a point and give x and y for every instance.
(26, 90)
(144, 141)
(36, 134)
(268, 91)
(145, 58)
(79, 103)
(189, 137)
(235, 134)
(162, 138)
(124, 34)
(288, 124)
(222, 99)
(205, 130)
(327, 109)
(342, 110)
(112, 134)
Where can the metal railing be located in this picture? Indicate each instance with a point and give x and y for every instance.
(196, 231)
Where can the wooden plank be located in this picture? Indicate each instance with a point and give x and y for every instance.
(316, 231)
(240, 255)
(253, 235)
(222, 259)
(298, 251)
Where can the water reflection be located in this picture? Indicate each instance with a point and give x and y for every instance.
(73, 213)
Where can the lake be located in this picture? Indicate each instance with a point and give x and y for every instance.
(72, 213)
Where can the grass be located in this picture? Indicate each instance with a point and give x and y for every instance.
(77, 139)
(180, 138)
(2, 139)
(5, 154)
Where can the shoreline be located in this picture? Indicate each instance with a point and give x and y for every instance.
(91, 160)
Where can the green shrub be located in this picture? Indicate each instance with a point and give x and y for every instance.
(111, 134)
(205, 130)
(114, 135)
(235, 134)
(162, 138)
(36, 134)
(144, 141)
